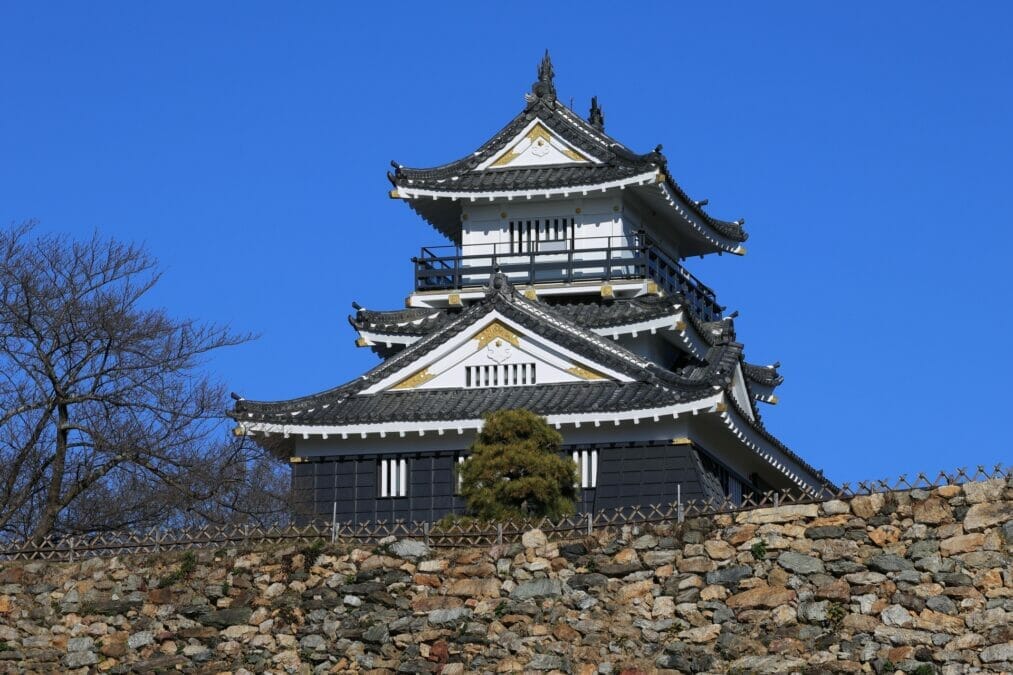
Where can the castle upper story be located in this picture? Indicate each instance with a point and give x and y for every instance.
(553, 199)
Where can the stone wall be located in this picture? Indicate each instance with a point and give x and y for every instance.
(919, 581)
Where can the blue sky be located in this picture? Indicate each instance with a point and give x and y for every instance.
(868, 145)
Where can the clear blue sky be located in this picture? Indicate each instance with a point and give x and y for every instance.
(868, 145)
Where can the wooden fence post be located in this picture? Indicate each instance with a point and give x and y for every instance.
(499, 533)
(678, 499)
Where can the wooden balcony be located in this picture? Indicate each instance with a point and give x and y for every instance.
(563, 261)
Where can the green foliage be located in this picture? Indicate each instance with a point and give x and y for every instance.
(186, 568)
(759, 550)
(515, 470)
(4, 647)
(836, 613)
(312, 552)
(923, 669)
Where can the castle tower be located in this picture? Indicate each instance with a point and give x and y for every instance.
(562, 291)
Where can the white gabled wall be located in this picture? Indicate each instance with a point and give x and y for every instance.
(550, 366)
(446, 364)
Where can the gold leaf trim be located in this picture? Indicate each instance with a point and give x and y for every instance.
(537, 132)
(496, 331)
(412, 381)
(584, 373)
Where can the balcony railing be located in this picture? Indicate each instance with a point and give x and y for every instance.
(567, 260)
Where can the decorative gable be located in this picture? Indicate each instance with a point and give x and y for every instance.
(495, 352)
(536, 145)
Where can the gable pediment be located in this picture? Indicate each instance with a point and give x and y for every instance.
(536, 145)
(496, 352)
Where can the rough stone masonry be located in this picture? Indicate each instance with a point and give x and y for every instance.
(917, 581)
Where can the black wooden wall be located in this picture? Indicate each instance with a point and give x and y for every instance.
(351, 483)
(631, 475)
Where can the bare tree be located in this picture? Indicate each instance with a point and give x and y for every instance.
(106, 417)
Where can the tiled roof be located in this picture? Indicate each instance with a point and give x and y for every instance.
(420, 405)
(760, 428)
(587, 314)
(617, 162)
(415, 321)
(526, 178)
(764, 375)
(689, 383)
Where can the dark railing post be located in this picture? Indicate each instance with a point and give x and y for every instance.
(608, 259)
(569, 264)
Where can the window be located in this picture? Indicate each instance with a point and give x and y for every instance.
(500, 375)
(525, 235)
(393, 477)
(457, 475)
(587, 468)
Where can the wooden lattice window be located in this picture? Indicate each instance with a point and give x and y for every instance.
(528, 235)
(500, 375)
(393, 477)
(587, 468)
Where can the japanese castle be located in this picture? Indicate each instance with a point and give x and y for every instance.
(561, 291)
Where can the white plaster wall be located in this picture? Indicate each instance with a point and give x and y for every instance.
(598, 222)
(486, 223)
(638, 217)
(654, 348)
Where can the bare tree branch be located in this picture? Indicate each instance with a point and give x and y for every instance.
(106, 417)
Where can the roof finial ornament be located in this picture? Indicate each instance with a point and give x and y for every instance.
(596, 117)
(499, 283)
(544, 89)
